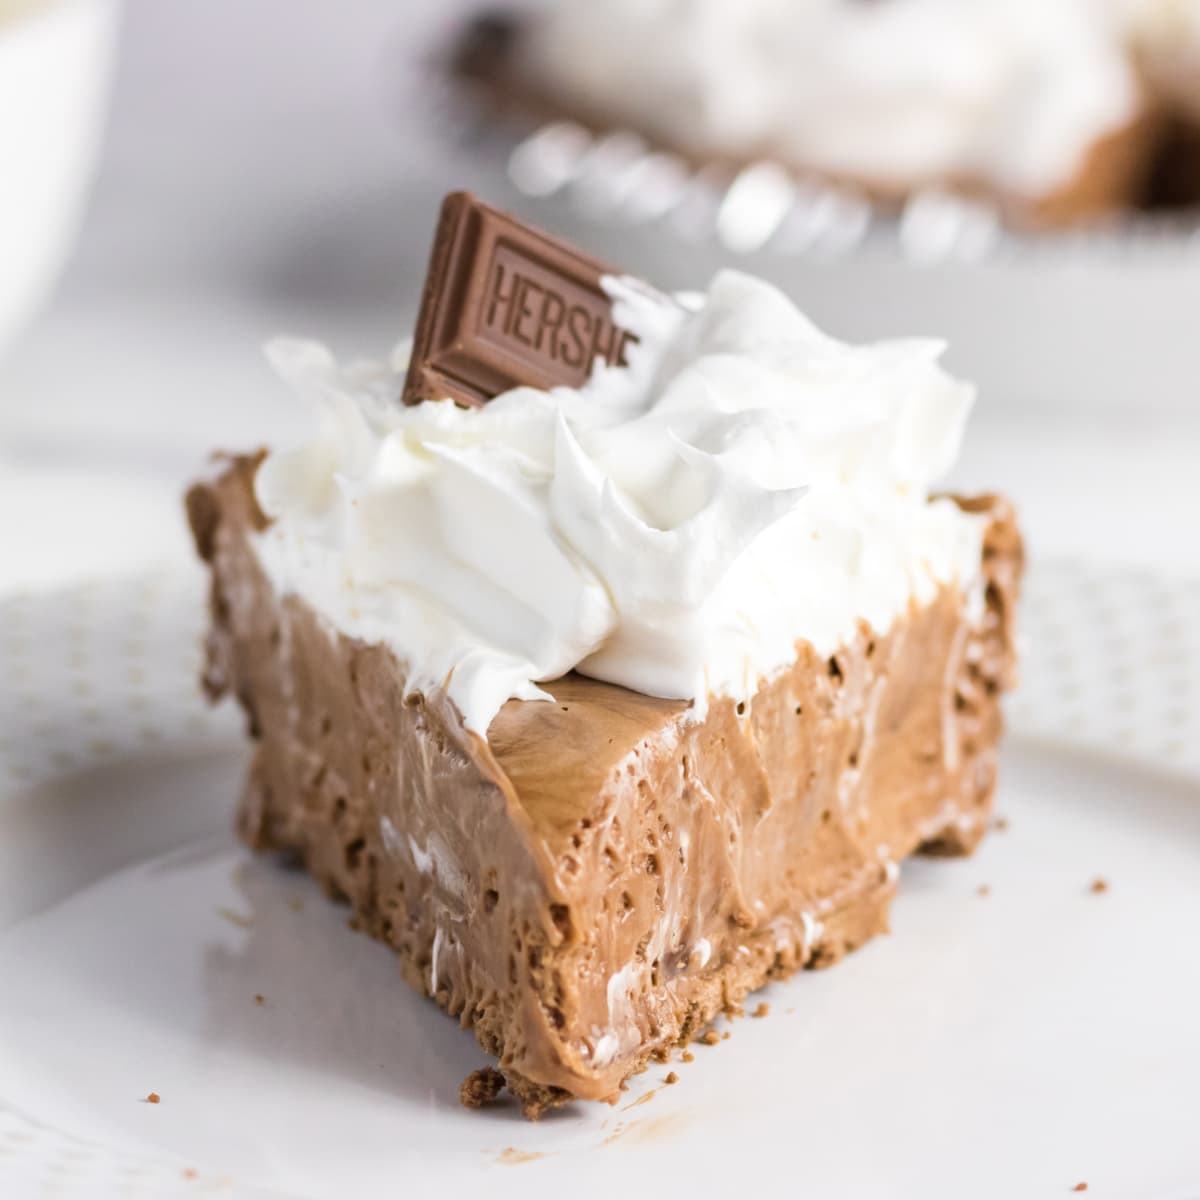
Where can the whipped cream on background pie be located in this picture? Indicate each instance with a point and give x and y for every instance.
(1056, 112)
(1013, 93)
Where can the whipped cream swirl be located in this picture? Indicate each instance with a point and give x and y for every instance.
(676, 525)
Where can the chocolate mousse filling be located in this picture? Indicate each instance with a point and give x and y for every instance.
(606, 873)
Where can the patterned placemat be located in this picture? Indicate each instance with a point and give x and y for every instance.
(1111, 664)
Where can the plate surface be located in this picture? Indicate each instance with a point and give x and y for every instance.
(1018, 1033)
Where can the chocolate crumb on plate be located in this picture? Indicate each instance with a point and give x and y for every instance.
(512, 1157)
(241, 920)
(259, 998)
(644, 1098)
(480, 1087)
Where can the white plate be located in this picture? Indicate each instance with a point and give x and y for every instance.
(1007, 1044)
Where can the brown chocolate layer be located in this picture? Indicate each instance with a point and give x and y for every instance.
(607, 873)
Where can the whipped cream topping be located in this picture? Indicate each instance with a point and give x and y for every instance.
(893, 94)
(676, 525)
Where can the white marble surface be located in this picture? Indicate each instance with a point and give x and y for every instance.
(267, 169)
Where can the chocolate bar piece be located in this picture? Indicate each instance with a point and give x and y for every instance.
(506, 306)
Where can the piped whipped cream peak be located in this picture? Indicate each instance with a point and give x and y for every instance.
(892, 94)
(675, 525)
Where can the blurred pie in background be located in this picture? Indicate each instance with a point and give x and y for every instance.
(1055, 112)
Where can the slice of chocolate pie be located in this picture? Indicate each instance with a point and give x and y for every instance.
(605, 703)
